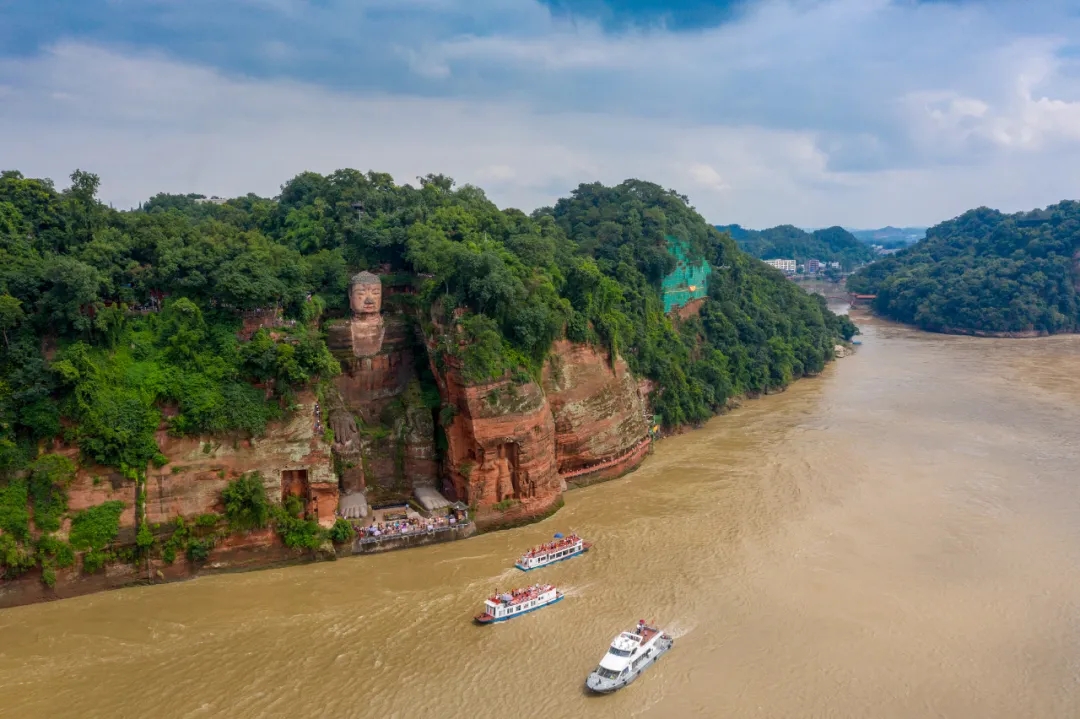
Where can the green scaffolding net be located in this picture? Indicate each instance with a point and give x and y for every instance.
(687, 282)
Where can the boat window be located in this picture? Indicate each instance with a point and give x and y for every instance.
(619, 652)
(607, 673)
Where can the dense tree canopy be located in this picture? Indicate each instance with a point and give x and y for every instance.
(755, 331)
(114, 322)
(832, 244)
(985, 272)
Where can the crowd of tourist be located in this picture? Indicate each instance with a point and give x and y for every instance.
(412, 525)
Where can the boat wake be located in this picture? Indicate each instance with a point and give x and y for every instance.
(677, 629)
(458, 560)
(576, 590)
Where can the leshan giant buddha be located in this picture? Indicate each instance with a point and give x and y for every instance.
(366, 328)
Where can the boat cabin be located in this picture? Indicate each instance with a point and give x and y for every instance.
(505, 606)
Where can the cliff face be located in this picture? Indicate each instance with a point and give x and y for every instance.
(512, 447)
(501, 446)
(597, 411)
(291, 457)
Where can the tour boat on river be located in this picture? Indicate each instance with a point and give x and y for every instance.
(628, 656)
(502, 606)
(545, 554)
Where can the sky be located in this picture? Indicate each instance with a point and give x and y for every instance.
(860, 113)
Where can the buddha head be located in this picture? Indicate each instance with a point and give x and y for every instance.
(365, 294)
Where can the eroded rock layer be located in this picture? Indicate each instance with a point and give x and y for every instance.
(597, 411)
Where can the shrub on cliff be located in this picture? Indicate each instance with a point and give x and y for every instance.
(342, 532)
(296, 532)
(246, 504)
(14, 515)
(50, 476)
(96, 527)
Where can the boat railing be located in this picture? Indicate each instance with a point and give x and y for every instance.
(564, 544)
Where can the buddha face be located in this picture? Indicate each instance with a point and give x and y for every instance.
(366, 298)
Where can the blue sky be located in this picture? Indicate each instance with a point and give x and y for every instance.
(810, 112)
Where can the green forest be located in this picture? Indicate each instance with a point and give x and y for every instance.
(985, 272)
(832, 244)
(116, 323)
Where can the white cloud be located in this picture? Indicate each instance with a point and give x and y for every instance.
(708, 178)
(148, 124)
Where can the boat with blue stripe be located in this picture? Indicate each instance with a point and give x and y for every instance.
(556, 551)
(500, 607)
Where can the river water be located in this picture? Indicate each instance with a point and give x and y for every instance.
(899, 537)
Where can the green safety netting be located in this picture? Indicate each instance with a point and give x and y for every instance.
(687, 282)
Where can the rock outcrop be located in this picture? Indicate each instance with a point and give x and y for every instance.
(513, 444)
(501, 446)
(598, 413)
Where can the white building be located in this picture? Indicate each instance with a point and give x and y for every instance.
(787, 266)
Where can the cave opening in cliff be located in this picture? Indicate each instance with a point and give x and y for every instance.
(294, 483)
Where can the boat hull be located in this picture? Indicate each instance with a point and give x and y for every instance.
(584, 549)
(600, 685)
(485, 619)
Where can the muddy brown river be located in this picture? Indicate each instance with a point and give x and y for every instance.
(899, 537)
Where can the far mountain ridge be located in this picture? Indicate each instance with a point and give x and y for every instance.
(831, 244)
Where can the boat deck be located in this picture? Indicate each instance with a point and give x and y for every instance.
(646, 633)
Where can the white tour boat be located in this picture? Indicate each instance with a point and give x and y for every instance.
(627, 657)
(556, 551)
(502, 606)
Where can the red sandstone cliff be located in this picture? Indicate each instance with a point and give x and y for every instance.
(292, 457)
(501, 446)
(598, 414)
(513, 446)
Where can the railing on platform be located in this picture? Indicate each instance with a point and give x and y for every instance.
(421, 532)
(607, 462)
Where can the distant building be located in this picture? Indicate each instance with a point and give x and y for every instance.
(786, 266)
(834, 265)
(215, 200)
(813, 266)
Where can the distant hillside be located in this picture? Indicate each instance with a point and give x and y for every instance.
(832, 244)
(890, 237)
(985, 273)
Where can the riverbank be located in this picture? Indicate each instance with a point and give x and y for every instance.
(263, 549)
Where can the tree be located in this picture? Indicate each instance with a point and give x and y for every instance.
(11, 315)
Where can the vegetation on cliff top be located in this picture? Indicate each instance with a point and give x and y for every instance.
(832, 244)
(985, 271)
(115, 323)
